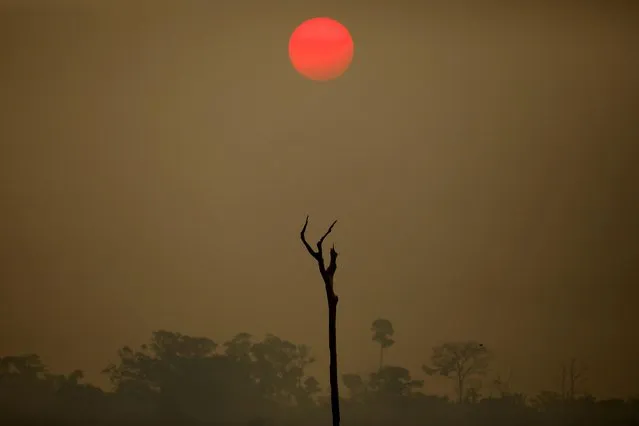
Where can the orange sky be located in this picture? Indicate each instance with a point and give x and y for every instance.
(156, 165)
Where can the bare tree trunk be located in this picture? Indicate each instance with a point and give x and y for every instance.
(570, 376)
(563, 381)
(332, 347)
(327, 274)
(381, 357)
(460, 389)
(575, 375)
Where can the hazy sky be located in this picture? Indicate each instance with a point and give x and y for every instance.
(157, 163)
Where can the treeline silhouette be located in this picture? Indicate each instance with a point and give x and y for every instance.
(176, 379)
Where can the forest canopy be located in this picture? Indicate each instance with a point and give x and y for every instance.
(182, 379)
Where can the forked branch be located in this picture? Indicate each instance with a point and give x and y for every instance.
(317, 255)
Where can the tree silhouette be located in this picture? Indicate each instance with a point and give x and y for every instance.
(180, 380)
(547, 401)
(459, 360)
(394, 381)
(184, 377)
(382, 331)
(279, 369)
(503, 384)
(355, 384)
(571, 375)
(327, 274)
(239, 347)
(26, 366)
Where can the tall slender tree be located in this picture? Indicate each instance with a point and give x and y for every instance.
(570, 376)
(382, 331)
(461, 361)
(327, 273)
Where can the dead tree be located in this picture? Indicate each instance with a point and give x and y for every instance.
(327, 276)
(571, 375)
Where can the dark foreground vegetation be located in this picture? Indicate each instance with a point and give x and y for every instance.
(181, 380)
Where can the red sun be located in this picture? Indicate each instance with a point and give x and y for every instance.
(321, 49)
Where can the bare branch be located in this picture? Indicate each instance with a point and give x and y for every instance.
(321, 240)
(327, 273)
(316, 255)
